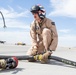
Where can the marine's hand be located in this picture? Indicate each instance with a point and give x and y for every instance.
(34, 50)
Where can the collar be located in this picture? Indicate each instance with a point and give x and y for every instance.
(42, 21)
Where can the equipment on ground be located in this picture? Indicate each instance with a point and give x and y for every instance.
(2, 42)
(37, 57)
(8, 63)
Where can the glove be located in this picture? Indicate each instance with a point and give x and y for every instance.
(45, 56)
(33, 53)
(11, 63)
(34, 50)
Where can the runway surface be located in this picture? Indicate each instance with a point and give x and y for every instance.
(36, 68)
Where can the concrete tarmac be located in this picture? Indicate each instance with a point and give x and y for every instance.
(36, 68)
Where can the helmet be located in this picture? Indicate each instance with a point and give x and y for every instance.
(11, 63)
(37, 8)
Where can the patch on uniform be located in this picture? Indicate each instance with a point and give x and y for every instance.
(53, 23)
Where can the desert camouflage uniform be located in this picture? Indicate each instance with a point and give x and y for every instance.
(44, 35)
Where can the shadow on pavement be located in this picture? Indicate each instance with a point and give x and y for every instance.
(14, 71)
(54, 62)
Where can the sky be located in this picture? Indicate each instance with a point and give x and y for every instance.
(18, 18)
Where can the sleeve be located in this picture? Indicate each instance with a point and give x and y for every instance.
(54, 37)
(54, 42)
(33, 35)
